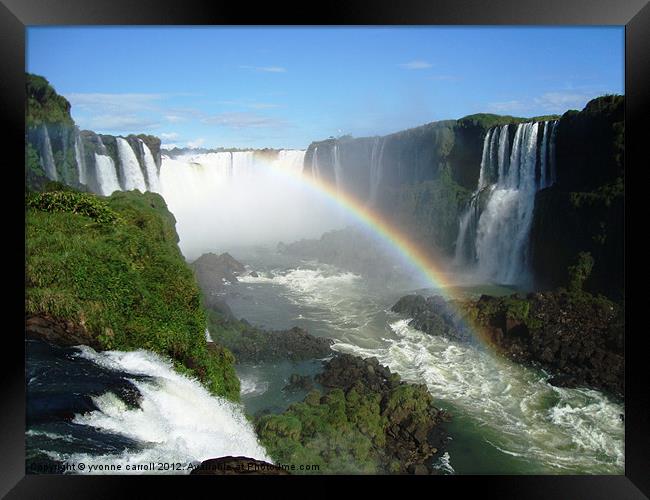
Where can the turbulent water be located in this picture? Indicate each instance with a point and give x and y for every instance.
(507, 418)
(176, 422)
(494, 230)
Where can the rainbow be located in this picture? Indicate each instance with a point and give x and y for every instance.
(398, 240)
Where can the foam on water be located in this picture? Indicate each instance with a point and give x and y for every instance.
(252, 385)
(329, 295)
(178, 419)
(567, 430)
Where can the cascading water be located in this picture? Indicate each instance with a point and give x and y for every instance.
(176, 419)
(336, 162)
(132, 177)
(291, 160)
(496, 237)
(553, 158)
(153, 182)
(315, 171)
(105, 173)
(79, 155)
(254, 203)
(376, 167)
(47, 156)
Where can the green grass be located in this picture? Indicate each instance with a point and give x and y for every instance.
(113, 265)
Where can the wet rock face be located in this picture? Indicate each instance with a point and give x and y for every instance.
(225, 466)
(432, 315)
(59, 331)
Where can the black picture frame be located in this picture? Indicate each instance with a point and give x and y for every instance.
(15, 15)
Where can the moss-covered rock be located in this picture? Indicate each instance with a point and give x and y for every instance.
(367, 422)
(124, 285)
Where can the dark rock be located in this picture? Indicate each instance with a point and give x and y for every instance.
(295, 344)
(237, 465)
(433, 315)
(577, 337)
(299, 382)
(59, 331)
(213, 271)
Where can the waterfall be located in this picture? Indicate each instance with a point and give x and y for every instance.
(80, 157)
(493, 163)
(552, 151)
(494, 230)
(376, 167)
(150, 168)
(243, 165)
(132, 176)
(336, 162)
(106, 175)
(255, 205)
(290, 160)
(47, 156)
(542, 158)
(503, 152)
(315, 172)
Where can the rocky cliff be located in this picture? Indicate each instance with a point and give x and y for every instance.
(584, 210)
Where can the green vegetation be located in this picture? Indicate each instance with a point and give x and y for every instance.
(489, 120)
(362, 430)
(44, 105)
(342, 433)
(579, 272)
(126, 283)
(74, 202)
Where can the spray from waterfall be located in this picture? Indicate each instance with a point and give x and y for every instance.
(218, 207)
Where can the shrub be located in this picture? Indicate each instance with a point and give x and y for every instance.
(74, 202)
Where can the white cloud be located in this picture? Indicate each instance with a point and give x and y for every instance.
(116, 123)
(266, 69)
(242, 120)
(417, 64)
(513, 106)
(549, 102)
(196, 143)
(166, 136)
(114, 102)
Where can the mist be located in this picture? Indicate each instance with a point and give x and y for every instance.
(224, 200)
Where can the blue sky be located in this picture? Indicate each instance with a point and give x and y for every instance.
(285, 87)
